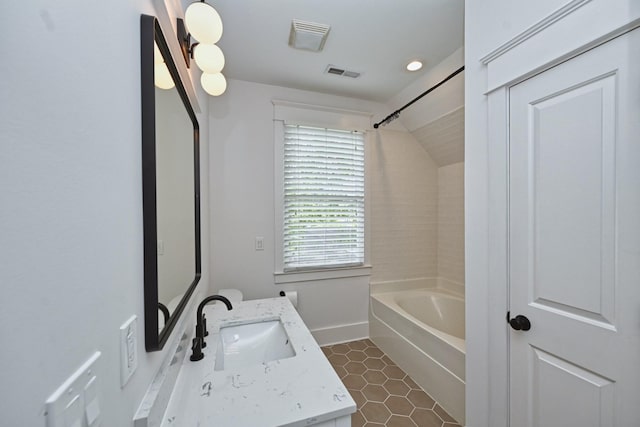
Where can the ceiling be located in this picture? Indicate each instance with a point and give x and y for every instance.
(374, 37)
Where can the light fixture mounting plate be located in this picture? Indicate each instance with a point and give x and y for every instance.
(184, 39)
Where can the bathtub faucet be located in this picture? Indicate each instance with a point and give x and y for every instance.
(201, 326)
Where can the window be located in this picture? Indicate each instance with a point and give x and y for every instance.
(323, 212)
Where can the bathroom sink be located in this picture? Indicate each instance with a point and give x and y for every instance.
(251, 344)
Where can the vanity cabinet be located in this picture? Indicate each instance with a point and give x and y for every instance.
(336, 422)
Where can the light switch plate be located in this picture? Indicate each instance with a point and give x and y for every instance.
(65, 407)
(128, 349)
(73, 412)
(259, 243)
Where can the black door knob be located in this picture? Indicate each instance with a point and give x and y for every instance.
(520, 323)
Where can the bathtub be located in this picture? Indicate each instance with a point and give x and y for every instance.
(422, 331)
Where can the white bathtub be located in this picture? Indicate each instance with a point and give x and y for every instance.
(422, 330)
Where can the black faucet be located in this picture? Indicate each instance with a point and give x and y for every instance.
(201, 326)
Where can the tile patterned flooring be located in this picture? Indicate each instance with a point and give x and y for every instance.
(384, 394)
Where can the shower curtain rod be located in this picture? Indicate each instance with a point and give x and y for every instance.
(391, 117)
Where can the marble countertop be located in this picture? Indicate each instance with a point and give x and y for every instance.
(299, 391)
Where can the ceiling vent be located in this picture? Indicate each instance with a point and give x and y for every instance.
(308, 35)
(331, 69)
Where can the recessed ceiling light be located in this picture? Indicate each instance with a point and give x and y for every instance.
(414, 65)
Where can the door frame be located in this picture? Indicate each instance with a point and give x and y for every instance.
(487, 364)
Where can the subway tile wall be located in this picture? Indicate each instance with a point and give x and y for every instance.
(451, 222)
(403, 184)
(443, 138)
(416, 202)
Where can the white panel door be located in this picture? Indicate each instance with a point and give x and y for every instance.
(574, 241)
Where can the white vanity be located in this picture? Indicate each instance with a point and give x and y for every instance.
(261, 368)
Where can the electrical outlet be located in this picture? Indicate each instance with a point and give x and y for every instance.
(128, 349)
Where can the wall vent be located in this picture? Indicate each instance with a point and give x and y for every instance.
(331, 69)
(308, 35)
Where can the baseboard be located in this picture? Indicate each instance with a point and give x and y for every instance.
(341, 333)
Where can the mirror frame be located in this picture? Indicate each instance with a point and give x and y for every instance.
(151, 32)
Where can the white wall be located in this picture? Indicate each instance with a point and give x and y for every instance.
(71, 261)
(451, 222)
(443, 100)
(502, 20)
(242, 203)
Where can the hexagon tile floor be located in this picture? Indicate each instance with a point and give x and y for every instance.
(385, 395)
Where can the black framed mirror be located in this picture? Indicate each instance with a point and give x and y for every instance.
(170, 188)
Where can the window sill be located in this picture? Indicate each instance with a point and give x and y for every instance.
(325, 274)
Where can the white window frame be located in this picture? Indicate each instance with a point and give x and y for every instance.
(286, 112)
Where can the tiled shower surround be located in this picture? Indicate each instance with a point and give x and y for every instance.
(385, 395)
(417, 202)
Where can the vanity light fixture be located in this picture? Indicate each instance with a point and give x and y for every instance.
(414, 65)
(202, 22)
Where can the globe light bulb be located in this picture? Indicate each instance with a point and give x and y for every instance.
(203, 22)
(209, 58)
(213, 84)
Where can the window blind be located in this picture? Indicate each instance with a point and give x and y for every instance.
(323, 198)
